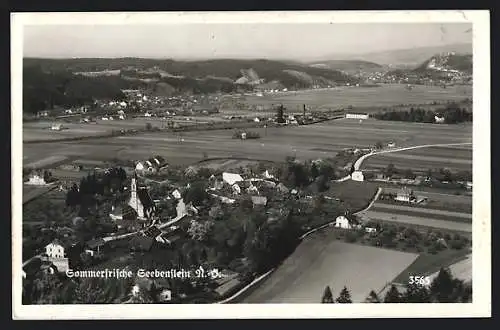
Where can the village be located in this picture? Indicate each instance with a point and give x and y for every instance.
(148, 214)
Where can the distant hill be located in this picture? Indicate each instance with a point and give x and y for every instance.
(447, 62)
(405, 57)
(193, 75)
(347, 65)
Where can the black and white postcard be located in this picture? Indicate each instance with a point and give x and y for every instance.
(261, 164)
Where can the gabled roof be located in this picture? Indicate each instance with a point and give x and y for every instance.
(95, 243)
(152, 232)
(231, 178)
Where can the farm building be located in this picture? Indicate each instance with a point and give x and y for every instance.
(342, 222)
(56, 127)
(95, 246)
(438, 119)
(405, 195)
(357, 176)
(36, 180)
(231, 178)
(356, 115)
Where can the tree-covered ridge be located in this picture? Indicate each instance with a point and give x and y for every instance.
(46, 90)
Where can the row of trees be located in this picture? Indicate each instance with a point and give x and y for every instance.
(110, 182)
(443, 289)
(452, 114)
(441, 174)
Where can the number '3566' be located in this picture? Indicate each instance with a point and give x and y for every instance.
(420, 280)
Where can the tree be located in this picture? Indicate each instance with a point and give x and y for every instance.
(373, 297)
(344, 297)
(390, 169)
(379, 145)
(149, 126)
(443, 287)
(196, 194)
(416, 293)
(280, 114)
(327, 296)
(393, 295)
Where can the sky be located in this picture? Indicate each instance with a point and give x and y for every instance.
(304, 41)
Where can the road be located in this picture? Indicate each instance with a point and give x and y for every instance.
(359, 162)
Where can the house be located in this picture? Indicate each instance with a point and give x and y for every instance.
(370, 230)
(56, 249)
(259, 201)
(342, 222)
(56, 127)
(268, 175)
(236, 189)
(231, 178)
(147, 114)
(252, 189)
(405, 195)
(356, 115)
(125, 213)
(36, 180)
(63, 254)
(141, 243)
(152, 232)
(391, 144)
(357, 176)
(95, 246)
(176, 193)
(140, 167)
(438, 119)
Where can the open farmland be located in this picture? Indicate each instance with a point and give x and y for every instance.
(341, 97)
(305, 142)
(456, 159)
(418, 219)
(40, 130)
(461, 269)
(319, 261)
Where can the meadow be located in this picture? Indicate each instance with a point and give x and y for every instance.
(321, 260)
(321, 140)
(342, 97)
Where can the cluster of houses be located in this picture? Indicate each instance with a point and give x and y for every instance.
(151, 166)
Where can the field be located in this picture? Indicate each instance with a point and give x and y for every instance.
(340, 97)
(427, 264)
(31, 192)
(420, 216)
(357, 194)
(319, 261)
(40, 130)
(456, 158)
(305, 142)
(461, 269)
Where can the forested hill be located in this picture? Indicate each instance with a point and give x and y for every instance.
(44, 90)
(287, 74)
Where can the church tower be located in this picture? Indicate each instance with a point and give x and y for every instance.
(134, 200)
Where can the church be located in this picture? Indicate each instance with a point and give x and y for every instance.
(140, 205)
